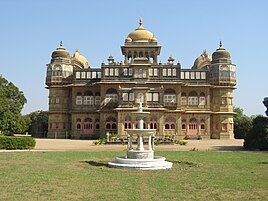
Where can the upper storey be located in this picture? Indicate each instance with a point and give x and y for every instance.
(140, 65)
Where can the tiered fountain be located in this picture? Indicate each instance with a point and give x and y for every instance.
(140, 158)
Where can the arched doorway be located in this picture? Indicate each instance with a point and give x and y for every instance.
(193, 129)
(88, 126)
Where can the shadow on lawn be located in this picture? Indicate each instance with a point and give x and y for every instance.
(228, 148)
(97, 164)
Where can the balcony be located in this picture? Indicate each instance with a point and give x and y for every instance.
(170, 105)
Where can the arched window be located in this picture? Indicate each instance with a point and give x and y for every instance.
(193, 98)
(202, 124)
(144, 125)
(114, 126)
(183, 98)
(170, 123)
(183, 124)
(97, 125)
(169, 96)
(135, 54)
(202, 99)
(88, 98)
(111, 96)
(140, 97)
(153, 123)
(108, 126)
(79, 98)
(78, 124)
(147, 55)
(128, 122)
(111, 124)
(97, 98)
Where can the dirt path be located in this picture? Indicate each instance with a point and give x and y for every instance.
(65, 144)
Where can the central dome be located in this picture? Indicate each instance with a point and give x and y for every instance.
(141, 35)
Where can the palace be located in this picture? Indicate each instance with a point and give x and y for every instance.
(88, 103)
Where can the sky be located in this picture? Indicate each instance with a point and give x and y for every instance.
(31, 30)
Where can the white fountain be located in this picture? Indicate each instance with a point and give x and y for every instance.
(140, 158)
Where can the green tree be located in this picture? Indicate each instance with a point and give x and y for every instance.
(11, 104)
(265, 102)
(242, 124)
(39, 123)
(258, 136)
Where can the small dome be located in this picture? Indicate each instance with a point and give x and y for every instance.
(220, 53)
(128, 39)
(110, 58)
(79, 58)
(141, 35)
(203, 60)
(60, 52)
(171, 59)
(154, 39)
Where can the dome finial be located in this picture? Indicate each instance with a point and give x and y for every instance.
(220, 43)
(140, 22)
(61, 43)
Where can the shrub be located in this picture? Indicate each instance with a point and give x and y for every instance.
(100, 141)
(157, 142)
(180, 142)
(258, 136)
(112, 135)
(8, 142)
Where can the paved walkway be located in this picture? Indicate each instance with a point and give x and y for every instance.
(65, 144)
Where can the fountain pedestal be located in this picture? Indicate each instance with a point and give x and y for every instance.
(140, 158)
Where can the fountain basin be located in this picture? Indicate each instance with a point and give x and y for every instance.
(156, 163)
(137, 154)
(142, 132)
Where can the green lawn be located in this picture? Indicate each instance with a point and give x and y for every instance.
(195, 175)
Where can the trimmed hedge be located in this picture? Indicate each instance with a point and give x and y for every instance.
(7, 142)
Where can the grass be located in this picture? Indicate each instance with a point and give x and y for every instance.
(84, 175)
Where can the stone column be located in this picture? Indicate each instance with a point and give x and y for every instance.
(153, 142)
(150, 143)
(140, 143)
(129, 140)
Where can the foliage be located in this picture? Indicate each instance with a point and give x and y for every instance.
(7, 142)
(112, 135)
(100, 141)
(39, 123)
(180, 142)
(11, 104)
(195, 175)
(242, 124)
(265, 102)
(157, 142)
(258, 136)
